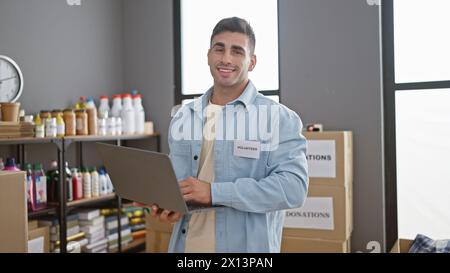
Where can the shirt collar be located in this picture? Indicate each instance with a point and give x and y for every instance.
(247, 97)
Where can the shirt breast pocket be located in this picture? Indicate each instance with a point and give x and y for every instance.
(180, 155)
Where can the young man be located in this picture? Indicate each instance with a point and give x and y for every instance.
(223, 156)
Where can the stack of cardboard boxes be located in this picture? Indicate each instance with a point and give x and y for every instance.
(325, 222)
(402, 246)
(13, 212)
(17, 234)
(38, 238)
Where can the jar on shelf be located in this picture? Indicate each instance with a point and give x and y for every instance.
(60, 126)
(40, 127)
(55, 113)
(81, 122)
(70, 122)
(45, 114)
(92, 121)
(50, 127)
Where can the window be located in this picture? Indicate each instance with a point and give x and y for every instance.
(423, 173)
(194, 21)
(422, 43)
(417, 118)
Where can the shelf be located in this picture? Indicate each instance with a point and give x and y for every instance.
(61, 210)
(88, 201)
(27, 140)
(138, 244)
(34, 214)
(31, 140)
(110, 138)
(91, 201)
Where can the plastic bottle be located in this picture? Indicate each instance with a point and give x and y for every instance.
(92, 121)
(82, 128)
(128, 115)
(95, 182)
(28, 118)
(30, 184)
(119, 126)
(117, 106)
(90, 103)
(139, 114)
(87, 183)
(60, 126)
(110, 187)
(40, 127)
(103, 182)
(22, 115)
(92, 117)
(81, 104)
(111, 126)
(39, 200)
(11, 165)
(70, 122)
(103, 108)
(53, 182)
(102, 127)
(77, 184)
(68, 182)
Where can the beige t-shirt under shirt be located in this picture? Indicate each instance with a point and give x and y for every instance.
(201, 235)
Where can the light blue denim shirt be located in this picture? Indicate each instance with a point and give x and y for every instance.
(253, 192)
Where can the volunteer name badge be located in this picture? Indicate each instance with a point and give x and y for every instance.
(245, 148)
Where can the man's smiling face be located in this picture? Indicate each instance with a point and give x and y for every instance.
(230, 59)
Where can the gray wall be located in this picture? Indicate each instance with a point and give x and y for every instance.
(148, 64)
(64, 52)
(330, 73)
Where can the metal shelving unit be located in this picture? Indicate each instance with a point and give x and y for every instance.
(136, 246)
(62, 145)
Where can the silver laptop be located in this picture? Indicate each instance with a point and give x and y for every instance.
(145, 177)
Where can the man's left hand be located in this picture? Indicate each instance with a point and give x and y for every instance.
(196, 191)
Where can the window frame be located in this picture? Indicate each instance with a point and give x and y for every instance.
(179, 96)
(390, 87)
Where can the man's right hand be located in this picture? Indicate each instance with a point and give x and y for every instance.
(165, 216)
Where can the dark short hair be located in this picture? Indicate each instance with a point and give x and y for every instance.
(235, 24)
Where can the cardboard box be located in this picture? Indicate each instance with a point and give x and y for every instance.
(401, 246)
(330, 158)
(327, 214)
(39, 240)
(13, 212)
(157, 242)
(33, 224)
(158, 235)
(305, 245)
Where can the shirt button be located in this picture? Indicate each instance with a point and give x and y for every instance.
(195, 157)
(183, 231)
